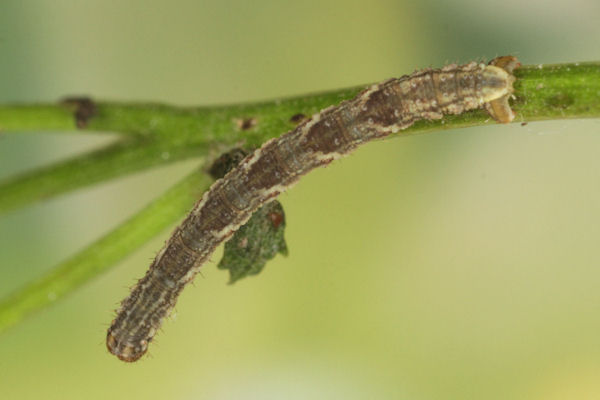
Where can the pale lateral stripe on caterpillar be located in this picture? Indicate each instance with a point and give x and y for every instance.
(378, 111)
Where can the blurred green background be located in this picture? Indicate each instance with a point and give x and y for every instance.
(454, 265)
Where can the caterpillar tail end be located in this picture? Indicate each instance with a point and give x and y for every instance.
(499, 108)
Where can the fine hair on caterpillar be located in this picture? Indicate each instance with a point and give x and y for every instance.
(376, 112)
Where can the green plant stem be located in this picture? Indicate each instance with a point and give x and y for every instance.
(560, 91)
(101, 255)
(36, 117)
(124, 157)
(157, 134)
(543, 92)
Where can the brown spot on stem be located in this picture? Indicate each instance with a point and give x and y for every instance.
(297, 118)
(83, 110)
(245, 123)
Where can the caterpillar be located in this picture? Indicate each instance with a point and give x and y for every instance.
(376, 112)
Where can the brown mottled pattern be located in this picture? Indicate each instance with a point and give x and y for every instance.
(375, 113)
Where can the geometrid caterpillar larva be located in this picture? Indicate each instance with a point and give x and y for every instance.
(379, 110)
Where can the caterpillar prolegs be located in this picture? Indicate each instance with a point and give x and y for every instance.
(376, 112)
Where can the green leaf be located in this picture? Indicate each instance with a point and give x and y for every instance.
(255, 243)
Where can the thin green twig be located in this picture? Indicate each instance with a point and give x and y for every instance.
(105, 252)
(560, 91)
(36, 117)
(121, 158)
